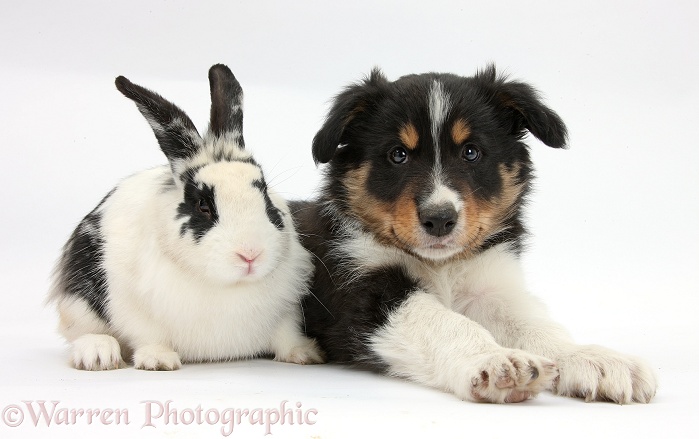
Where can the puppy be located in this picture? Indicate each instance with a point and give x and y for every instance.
(417, 235)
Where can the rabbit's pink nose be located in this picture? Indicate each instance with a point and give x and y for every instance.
(249, 258)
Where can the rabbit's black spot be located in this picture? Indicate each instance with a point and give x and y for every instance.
(199, 208)
(83, 273)
(188, 174)
(274, 214)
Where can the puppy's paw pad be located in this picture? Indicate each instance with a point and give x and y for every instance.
(156, 357)
(96, 352)
(518, 396)
(306, 353)
(600, 374)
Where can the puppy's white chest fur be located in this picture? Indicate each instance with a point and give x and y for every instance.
(496, 271)
(457, 284)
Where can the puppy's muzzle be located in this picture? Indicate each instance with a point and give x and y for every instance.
(438, 220)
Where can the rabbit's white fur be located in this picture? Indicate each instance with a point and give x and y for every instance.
(232, 292)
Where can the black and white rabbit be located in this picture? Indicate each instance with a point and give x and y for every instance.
(195, 261)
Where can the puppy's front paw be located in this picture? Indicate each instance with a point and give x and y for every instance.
(96, 352)
(305, 352)
(156, 357)
(600, 374)
(509, 375)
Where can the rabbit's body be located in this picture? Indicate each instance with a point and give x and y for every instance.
(196, 261)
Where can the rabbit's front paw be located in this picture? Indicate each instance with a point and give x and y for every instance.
(156, 357)
(96, 352)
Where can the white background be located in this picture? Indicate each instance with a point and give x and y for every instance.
(614, 251)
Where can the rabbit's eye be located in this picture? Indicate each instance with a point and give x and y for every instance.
(203, 207)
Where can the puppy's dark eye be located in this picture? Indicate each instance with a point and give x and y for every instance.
(203, 207)
(398, 155)
(470, 153)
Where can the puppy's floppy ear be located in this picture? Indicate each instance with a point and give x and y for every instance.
(522, 107)
(354, 100)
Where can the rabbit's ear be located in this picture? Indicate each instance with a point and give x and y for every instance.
(176, 134)
(226, 104)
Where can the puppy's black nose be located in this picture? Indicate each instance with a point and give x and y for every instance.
(438, 221)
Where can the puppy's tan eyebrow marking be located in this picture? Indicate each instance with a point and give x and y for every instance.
(460, 131)
(409, 136)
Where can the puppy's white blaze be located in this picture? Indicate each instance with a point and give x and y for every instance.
(444, 195)
(439, 105)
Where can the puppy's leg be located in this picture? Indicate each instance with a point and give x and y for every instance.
(518, 320)
(430, 344)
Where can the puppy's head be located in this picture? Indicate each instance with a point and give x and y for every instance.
(434, 164)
